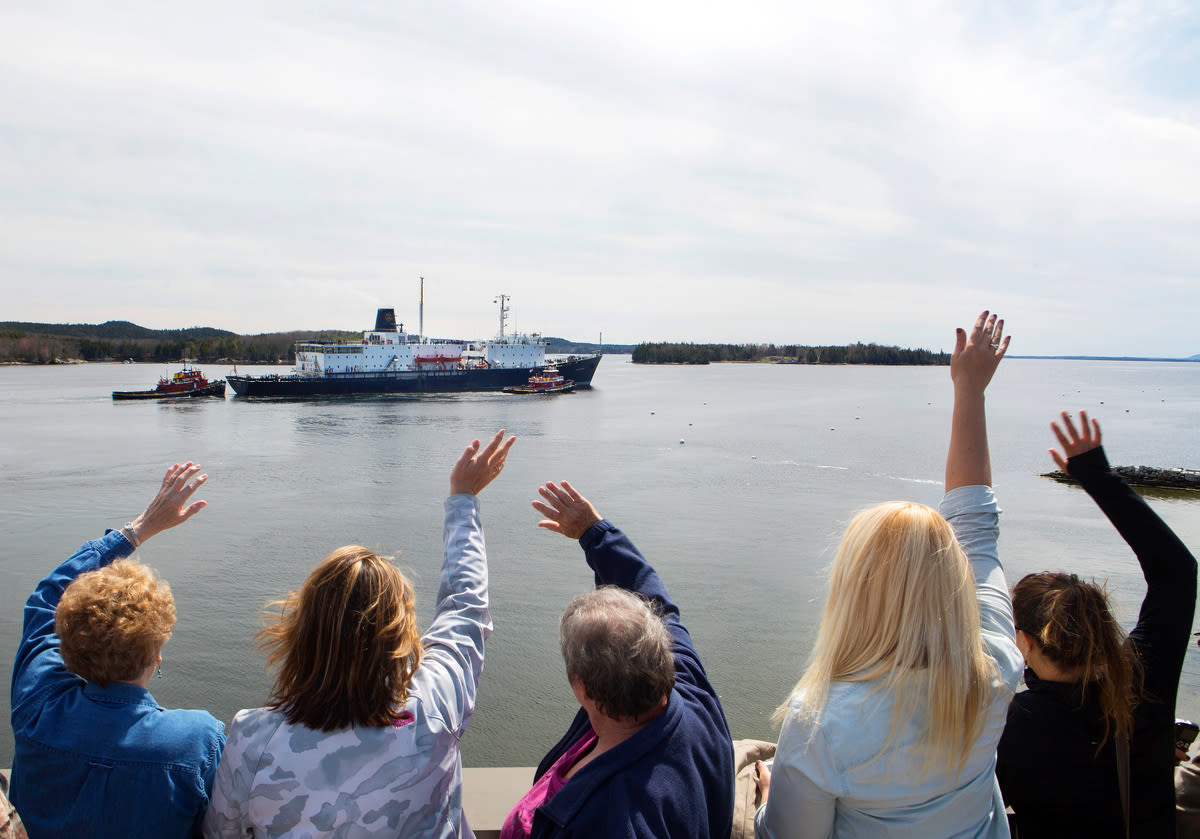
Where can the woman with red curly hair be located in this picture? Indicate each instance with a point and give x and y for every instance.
(360, 734)
(95, 754)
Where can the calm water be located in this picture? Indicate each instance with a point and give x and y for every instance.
(740, 519)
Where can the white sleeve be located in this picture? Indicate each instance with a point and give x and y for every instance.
(453, 660)
(975, 516)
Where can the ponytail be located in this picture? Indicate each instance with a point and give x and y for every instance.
(1071, 622)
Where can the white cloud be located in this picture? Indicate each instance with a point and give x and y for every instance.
(789, 172)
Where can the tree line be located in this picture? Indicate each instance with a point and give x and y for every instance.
(121, 341)
(859, 353)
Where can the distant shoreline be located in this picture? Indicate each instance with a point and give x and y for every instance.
(1191, 359)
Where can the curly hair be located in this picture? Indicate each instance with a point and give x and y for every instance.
(346, 644)
(113, 621)
(616, 645)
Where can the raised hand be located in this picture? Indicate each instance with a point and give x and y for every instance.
(977, 353)
(1074, 442)
(170, 506)
(477, 467)
(566, 511)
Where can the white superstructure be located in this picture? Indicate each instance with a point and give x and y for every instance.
(388, 349)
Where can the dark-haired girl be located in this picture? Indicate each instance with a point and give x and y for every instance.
(1090, 689)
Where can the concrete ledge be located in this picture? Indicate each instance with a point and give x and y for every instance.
(490, 794)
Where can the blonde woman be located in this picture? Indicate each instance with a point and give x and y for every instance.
(892, 729)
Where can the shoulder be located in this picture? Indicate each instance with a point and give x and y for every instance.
(200, 727)
(252, 723)
(1047, 715)
(183, 738)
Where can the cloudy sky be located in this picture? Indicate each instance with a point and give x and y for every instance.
(653, 170)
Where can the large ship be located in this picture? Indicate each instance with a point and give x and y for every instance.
(390, 360)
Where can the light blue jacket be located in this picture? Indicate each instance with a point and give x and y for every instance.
(98, 762)
(825, 783)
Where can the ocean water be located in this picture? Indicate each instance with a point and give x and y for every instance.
(734, 480)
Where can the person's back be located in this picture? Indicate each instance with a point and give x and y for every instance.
(111, 762)
(364, 781)
(887, 794)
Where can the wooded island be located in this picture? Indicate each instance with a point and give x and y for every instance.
(680, 353)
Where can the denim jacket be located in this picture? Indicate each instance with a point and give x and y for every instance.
(93, 761)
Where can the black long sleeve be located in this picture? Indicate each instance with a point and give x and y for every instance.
(1165, 621)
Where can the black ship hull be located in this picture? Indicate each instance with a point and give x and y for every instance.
(580, 369)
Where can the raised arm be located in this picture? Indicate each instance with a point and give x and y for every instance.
(610, 553)
(449, 672)
(1164, 623)
(616, 561)
(38, 659)
(976, 356)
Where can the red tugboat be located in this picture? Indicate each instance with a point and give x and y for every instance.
(187, 382)
(547, 381)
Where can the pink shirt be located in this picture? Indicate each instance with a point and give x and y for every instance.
(519, 824)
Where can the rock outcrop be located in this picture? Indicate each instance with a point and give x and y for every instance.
(1146, 476)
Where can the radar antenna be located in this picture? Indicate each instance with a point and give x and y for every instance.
(502, 299)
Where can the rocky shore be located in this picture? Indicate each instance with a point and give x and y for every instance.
(1146, 476)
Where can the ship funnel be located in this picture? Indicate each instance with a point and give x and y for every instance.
(385, 320)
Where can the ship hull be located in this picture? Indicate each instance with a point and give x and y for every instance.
(459, 380)
(211, 389)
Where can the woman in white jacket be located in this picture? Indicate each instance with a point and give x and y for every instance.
(892, 729)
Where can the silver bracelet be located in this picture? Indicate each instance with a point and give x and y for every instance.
(127, 532)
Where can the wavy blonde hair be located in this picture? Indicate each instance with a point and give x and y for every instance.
(902, 609)
(113, 621)
(346, 644)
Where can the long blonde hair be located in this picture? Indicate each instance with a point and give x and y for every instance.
(902, 608)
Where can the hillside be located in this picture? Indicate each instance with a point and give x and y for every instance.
(50, 343)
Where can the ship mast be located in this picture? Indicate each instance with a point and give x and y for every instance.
(502, 299)
(421, 315)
